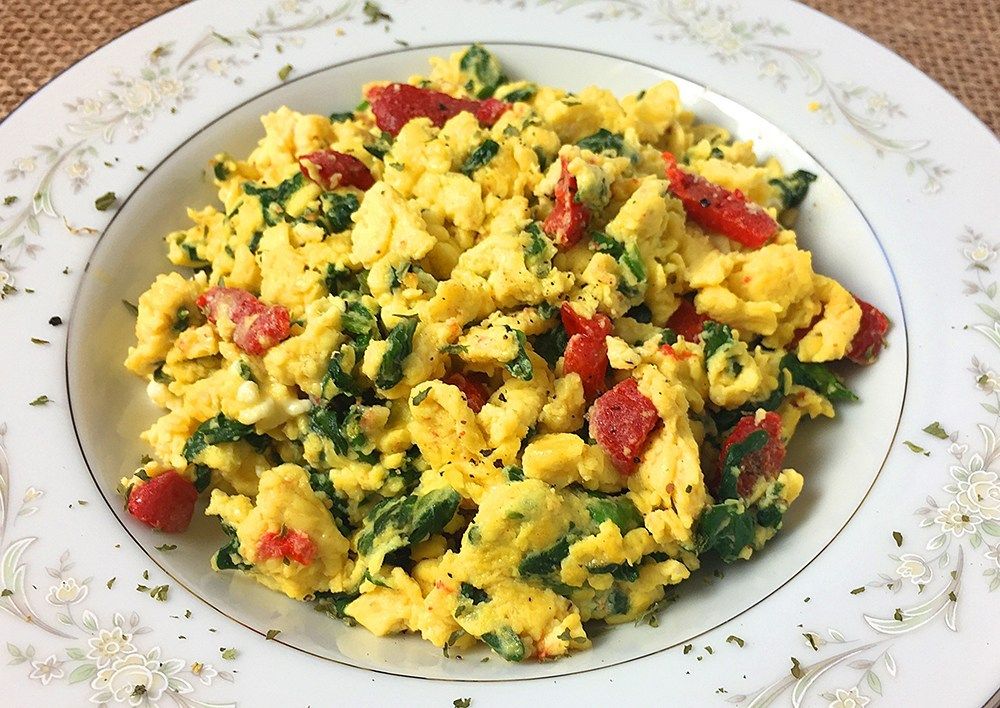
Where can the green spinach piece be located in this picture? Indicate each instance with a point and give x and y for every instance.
(605, 243)
(506, 643)
(716, 337)
(618, 602)
(604, 141)
(551, 345)
(216, 430)
(334, 604)
(322, 484)
(400, 339)
(538, 251)
(336, 210)
(793, 187)
(341, 117)
(483, 70)
(619, 571)
(473, 594)
(380, 147)
(728, 487)
(480, 157)
(619, 510)
(228, 557)
(182, 320)
(545, 561)
(520, 366)
(202, 477)
(726, 528)
(359, 322)
(273, 199)
(631, 272)
(523, 93)
(514, 473)
(403, 521)
(817, 377)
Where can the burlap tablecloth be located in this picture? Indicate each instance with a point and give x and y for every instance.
(957, 42)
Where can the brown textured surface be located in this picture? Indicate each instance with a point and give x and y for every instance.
(957, 42)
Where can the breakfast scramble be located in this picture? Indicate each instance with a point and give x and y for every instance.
(489, 361)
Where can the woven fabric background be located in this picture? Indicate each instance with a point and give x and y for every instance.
(956, 42)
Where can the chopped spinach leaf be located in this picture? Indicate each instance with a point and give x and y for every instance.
(545, 561)
(341, 117)
(619, 510)
(483, 70)
(817, 377)
(480, 157)
(228, 557)
(380, 147)
(273, 199)
(538, 251)
(522, 93)
(520, 365)
(513, 473)
(604, 141)
(793, 187)
(337, 209)
(731, 466)
(716, 337)
(404, 521)
(631, 272)
(182, 319)
(506, 643)
(322, 484)
(726, 528)
(400, 344)
(213, 431)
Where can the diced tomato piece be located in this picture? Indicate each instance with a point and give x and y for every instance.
(395, 105)
(165, 502)
(687, 321)
(588, 357)
(476, 394)
(764, 461)
(324, 166)
(621, 421)
(671, 352)
(717, 209)
(293, 545)
(567, 221)
(233, 303)
(870, 338)
(597, 326)
(258, 333)
(258, 327)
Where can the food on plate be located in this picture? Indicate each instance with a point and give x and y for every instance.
(489, 361)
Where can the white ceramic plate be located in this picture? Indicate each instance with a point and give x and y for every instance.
(899, 214)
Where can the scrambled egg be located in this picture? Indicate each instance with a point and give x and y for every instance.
(500, 520)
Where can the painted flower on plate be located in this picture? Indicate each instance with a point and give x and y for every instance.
(138, 679)
(977, 490)
(957, 521)
(78, 172)
(47, 670)
(137, 96)
(993, 555)
(206, 673)
(68, 592)
(913, 567)
(89, 107)
(108, 646)
(987, 382)
(980, 252)
(851, 698)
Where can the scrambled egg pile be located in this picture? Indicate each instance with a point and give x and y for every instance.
(353, 465)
